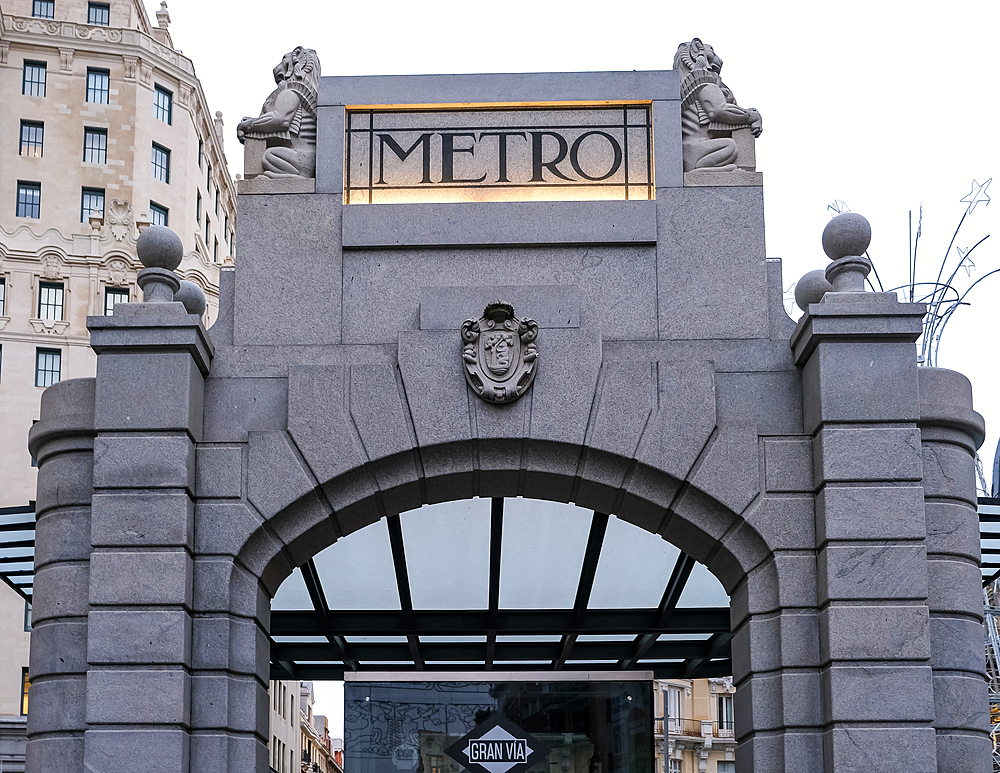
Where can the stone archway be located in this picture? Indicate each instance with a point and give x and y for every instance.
(818, 475)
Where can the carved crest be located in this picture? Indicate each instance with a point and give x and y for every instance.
(499, 354)
(117, 268)
(51, 267)
(119, 219)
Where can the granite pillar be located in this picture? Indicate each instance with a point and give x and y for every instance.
(152, 361)
(63, 443)
(950, 433)
(861, 404)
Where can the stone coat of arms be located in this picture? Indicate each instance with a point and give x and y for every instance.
(499, 354)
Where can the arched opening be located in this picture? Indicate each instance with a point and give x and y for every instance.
(507, 585)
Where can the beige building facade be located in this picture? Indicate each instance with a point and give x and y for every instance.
(104, 128)
(694, 730)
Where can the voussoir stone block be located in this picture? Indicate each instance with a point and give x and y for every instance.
(276, 473)
(770, 401)
(729, 471)
(236, 406)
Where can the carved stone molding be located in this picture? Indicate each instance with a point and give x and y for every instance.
(119, 220)
(51, 267)
(131, 66)
(117, 268)
(49, 326)
(66, 59)
(499, 354)
(3, 322)
(4, 52)
(145, 73)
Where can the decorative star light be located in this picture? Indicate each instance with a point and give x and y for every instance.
(977, 195)
(838, 207)
(966, 262)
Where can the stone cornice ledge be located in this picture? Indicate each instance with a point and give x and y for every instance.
(499, 223)
(149, 327)
(870, 318)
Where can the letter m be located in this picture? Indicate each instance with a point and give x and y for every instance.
(423, 141)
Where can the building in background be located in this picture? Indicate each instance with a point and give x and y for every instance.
(284, 726)
(104, 128)
(697, 715)
(318, 754)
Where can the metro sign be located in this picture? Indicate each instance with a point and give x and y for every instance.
(497, 746)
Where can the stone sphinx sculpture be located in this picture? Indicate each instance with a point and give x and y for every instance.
(711, 121)
(281, 141)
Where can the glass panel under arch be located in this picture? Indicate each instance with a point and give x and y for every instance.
(703, 590)
(448, 554)
(357, 572)
(543, 547)
(634, 568)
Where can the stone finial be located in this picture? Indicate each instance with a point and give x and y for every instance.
(160, 250)
(811, 288)
(163, 16)
(192, 296)
(281, 141)
(845, 241)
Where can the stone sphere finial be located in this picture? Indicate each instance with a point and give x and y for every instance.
(811, 288)
(192, 296)
(159, 247)
(846, 234)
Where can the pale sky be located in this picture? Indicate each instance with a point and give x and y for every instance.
(881, 104)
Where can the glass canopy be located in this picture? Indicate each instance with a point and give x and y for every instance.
(506, 583)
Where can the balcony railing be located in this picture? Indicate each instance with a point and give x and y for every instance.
(695, 728)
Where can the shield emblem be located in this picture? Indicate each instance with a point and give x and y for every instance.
(499, 353)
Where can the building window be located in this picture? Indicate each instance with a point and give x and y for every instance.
(33, 79)
(27, 615)
(32, 133)
(91, 203)
(98, 86)
(99, 13)
(216, 202)
(725, 703)
(158, 215)
(163, 102)
(161, 163)
(25, 684)
(673, 707)
(726, 767)
(3, 295)
(675, 766)
(208, 231)
(48, 365)
(44, 9)
(201, 152)
(1, 371)
(197, 207)
(113, 295)
(215, 251)
(29, 199)
(225, 230)
(95, 145)
(208, 180)
(50, 300)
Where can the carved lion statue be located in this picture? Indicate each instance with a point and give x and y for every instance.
(287, 120)
(709, 113)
